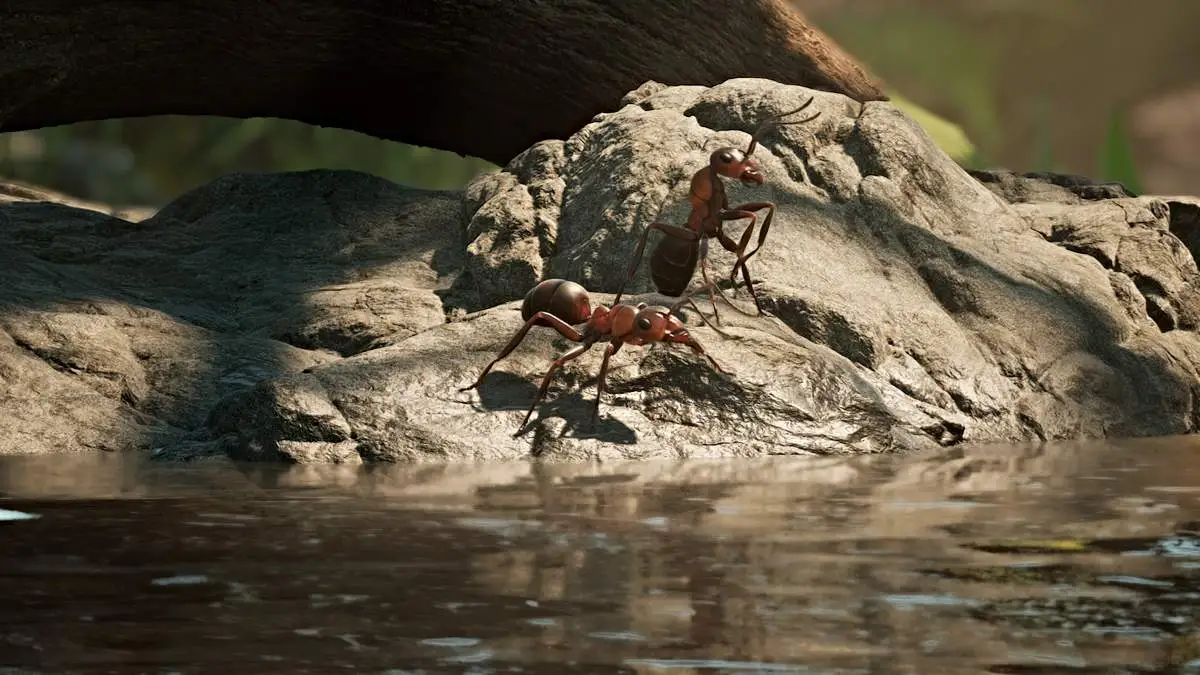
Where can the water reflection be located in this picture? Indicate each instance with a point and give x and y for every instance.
(1056, 558)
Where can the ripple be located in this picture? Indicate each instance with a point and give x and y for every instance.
(1129, 580)
(922, 600)
(7, 514)
(451, 642)
(711, 664)
(618, 636)
(181, 580)
(938, 504)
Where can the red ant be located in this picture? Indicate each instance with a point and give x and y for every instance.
(562, 304)
(673, 260)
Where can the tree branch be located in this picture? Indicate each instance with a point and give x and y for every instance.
(479, 77)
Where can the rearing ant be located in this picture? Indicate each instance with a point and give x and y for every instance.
(673, 260)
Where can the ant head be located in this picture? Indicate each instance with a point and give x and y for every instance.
(733, 163)
(654, 324)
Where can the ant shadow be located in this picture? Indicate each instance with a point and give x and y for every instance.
(503, 391)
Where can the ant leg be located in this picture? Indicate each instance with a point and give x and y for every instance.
(692, 235)
(680, 233)
(750, 287)
(565, 329)
(611, 349)
(688, 300)
(670, 230)
(762, 232)
(685, 299)
(705, 321)
(740, 247)
(691, 343)
(729, 244)
(633, 264)
(715, 290)
(554, 366)
(745, 211)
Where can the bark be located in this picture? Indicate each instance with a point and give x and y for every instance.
(479, 77)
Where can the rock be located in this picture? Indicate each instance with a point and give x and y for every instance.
(289, 420)
(1010, 306)
(16, 191)
(1041, 186)
(402, 401)
(332, 317)
(123, 335)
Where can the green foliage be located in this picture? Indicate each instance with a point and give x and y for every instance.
(1115, 160)
(957, 71)
(963, 59)
(154, 159)
(1043, 140)
(1116, 153)
(949, 136)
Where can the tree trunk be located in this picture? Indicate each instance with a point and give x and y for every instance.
(479, 77)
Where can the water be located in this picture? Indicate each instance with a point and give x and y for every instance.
(1072, 558)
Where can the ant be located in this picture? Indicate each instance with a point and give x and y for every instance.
(673, 260)
(562, 304)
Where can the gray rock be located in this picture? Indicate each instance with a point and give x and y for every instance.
(326, 316)
(124, 335)
(1041, 186)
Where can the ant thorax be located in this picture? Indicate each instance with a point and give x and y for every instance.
(600, 321)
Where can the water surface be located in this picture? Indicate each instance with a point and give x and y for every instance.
(1070, 558)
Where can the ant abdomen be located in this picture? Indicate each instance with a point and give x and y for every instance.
(567, 300)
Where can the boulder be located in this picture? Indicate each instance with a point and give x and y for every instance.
(117, 334)
(333, 317)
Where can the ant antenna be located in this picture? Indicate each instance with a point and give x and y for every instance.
(778, 121)
(683, 299)
(689, 299)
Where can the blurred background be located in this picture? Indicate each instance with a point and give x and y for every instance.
(1104, 88)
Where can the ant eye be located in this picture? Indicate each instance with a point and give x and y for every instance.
(644, 323)
(726, 157)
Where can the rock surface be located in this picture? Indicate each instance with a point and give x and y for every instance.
(332, 316)
(117, 334)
